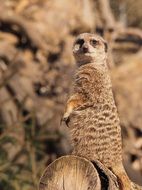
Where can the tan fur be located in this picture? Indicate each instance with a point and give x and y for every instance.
(94, 122)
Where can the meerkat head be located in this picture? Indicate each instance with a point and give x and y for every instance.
(89, 48)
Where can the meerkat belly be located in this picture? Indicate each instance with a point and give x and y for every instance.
(96, 135)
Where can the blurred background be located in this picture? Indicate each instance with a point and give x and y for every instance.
(36, 69)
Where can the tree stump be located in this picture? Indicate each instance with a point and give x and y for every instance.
(77, 173)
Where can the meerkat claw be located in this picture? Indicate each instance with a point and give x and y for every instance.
(65, 119)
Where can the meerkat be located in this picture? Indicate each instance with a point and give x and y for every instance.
(91, 113)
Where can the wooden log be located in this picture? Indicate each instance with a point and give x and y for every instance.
(76, 173)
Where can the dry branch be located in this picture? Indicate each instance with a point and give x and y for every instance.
(106, 14)
(26, 28)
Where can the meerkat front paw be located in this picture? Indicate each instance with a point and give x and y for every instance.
(66, 118)
(73, 103)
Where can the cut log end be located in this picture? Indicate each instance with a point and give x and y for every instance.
(76, 173)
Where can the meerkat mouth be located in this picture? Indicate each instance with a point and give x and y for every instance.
(88, 53)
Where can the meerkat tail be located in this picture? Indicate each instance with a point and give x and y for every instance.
(123, 179)
(135, 186)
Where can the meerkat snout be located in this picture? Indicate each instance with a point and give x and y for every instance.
(89, 48)
(85, 48)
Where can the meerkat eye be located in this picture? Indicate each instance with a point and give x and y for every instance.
(80, 42)
(94, 42)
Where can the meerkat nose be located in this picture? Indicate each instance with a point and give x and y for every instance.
(85, 49)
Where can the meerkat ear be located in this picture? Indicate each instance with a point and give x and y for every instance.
(106, 46)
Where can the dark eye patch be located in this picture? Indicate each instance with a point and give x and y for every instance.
(106, 46)
(80, 42)
(93, 42)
